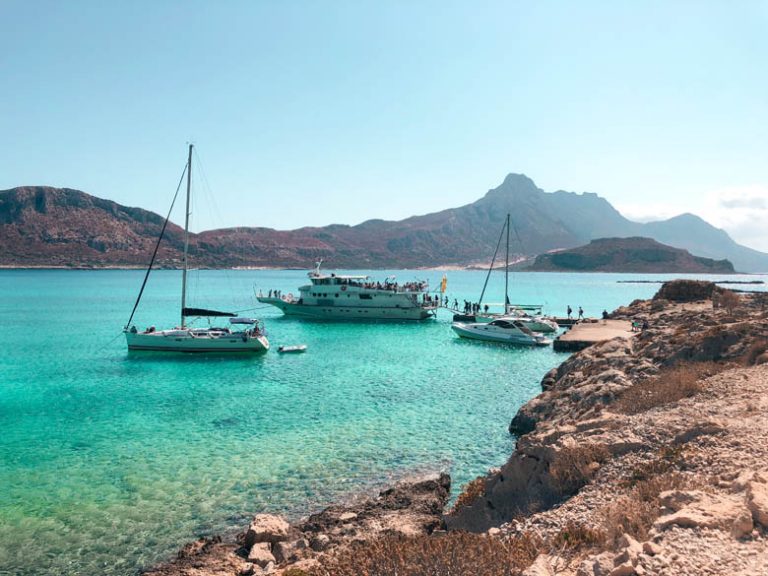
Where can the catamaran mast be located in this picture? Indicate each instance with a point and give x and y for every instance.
(186, 239)
(506, 272)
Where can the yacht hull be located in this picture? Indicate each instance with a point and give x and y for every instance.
(318, 312)
(183, 341)
(486, 333)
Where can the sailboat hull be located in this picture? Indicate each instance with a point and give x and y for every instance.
(187, 341)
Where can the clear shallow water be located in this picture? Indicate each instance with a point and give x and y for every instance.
(110, 461)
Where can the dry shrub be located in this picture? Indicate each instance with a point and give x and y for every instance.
(470, 492)
(574, 467)
(576, 537)
(635, 512)
(686, 291)
(728, 299)
(668, 459)
(670, 385)
(455, 553)
(755, 350)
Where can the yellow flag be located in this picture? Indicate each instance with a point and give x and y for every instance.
(443, 284)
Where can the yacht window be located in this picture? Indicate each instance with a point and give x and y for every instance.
(365, 296)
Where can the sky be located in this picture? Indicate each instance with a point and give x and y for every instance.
(317, 112)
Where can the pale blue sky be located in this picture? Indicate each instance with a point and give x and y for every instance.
(310, 113)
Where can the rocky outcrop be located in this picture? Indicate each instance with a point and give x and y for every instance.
(571, 422)
(270, 543)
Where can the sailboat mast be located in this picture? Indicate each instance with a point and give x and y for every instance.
(506, 272)
(186, 238)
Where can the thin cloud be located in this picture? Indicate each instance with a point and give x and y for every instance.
(752, 203)
(741, 211)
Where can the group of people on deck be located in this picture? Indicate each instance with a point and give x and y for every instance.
(435, 300)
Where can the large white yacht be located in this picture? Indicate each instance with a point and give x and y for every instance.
(344, 297)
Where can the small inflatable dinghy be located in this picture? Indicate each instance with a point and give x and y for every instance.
(292, 349)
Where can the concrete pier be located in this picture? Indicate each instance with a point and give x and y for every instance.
(586, 333)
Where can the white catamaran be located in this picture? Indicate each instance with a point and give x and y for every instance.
(250, 338)
(340, 297)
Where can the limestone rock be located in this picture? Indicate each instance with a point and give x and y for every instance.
(651, 548)
(696, 509)
(742, 525)
(626, 569)
(757, 502)
(631, 551)
(705, 428)
(260, 554)
(347, 516)
(540, 567)
(288, 551)
(266, 528)
(600, 565)
(320, 543)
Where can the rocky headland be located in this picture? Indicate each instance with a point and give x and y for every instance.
(642, 455)
(640, 255)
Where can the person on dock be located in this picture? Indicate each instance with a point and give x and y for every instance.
(570, 311)
(581, 313)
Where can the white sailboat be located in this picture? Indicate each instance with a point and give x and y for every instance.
(529, 315)
(184, 338)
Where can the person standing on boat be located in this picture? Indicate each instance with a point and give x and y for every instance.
(570, 311)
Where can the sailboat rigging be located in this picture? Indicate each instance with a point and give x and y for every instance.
(251, 338)
(517, 312)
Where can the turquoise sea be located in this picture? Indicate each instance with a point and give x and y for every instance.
(111, 461)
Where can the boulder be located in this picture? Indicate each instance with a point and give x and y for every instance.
(742, 525)
(261, 554)
(696, 509)
(320, 543)
(600, 565)
(757, 502)
(266, 528)
(289, 551)
(651, 548)
(631, 551)
(626, 569)
(540, 567)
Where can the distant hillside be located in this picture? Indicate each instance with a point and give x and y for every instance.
(42, 226)
(629, 255)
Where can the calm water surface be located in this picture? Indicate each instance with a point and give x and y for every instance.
(110, 461)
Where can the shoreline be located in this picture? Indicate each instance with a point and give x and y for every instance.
(577, 443)
(445, 268)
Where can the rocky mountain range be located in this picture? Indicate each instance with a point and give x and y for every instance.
(629, 255)
(43, 226)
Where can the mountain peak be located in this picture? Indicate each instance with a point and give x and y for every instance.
(514, 185)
